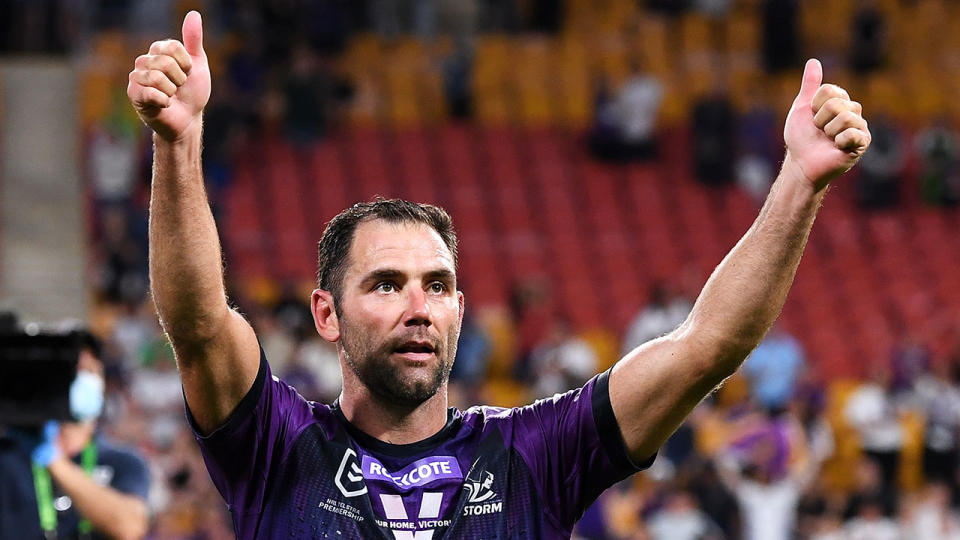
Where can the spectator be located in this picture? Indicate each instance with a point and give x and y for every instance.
(532, 308)
(112, 151)
(68, 481)
(939, 150)
(872, 412)
(781, 49)
(293, 313)
(910, 360)
(135, 327)
(768, 505)
(827, 526)
(123, 268)
(867, 37)
(604, 135)
(663, 313)
(714, 499)
(158, 391)
(930, 516)
(773, 369)
(562, 361)
(714, 142)
(758, 145)
(871, 524)
(307, 92)
(881, 168)
(682, 519)
(470, 364)
(636, 107)
(868, 486)
(457, 83)
(315, 370)
(939, 398)
(276, 337)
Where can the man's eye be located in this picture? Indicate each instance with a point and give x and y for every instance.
(386, 287)
(437, 287)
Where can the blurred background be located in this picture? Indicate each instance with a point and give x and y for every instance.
(599, 157)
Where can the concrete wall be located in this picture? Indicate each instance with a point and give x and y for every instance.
(43, 256)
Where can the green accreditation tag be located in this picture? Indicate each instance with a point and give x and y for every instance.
(48, 514)
(44, 488)
(88, 460)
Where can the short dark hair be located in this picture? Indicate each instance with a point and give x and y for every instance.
(333, 249)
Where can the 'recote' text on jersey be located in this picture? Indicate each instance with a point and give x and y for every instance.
(291, 468)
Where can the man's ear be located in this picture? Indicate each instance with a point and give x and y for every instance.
(462, 301)
(325, 315)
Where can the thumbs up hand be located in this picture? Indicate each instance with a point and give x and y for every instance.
(825, 131)
(170, 85)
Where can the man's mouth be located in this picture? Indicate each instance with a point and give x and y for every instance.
(415, 350)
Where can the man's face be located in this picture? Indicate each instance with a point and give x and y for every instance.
(400, 312)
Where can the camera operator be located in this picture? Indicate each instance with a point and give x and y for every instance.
(66, 481)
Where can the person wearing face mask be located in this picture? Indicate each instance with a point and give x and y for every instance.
(67, 481)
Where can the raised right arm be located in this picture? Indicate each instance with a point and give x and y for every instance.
(216, 349)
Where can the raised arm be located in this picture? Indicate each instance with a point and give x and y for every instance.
(217, 352)
(654, 387)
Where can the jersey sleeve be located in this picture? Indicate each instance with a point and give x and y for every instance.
(254, 440)
(573, 447)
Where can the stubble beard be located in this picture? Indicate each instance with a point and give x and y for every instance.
(371, 363)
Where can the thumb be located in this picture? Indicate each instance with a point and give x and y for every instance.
(812, 78)
(193, 34)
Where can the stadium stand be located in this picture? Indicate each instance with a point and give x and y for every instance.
(530, 203)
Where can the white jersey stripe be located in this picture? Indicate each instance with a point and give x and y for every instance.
(393, 506)
(430, 505)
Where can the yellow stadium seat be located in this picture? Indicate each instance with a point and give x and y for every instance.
(605, 345)
(505, 392)
(498, 326)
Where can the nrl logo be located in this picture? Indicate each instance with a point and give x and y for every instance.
(349, 478)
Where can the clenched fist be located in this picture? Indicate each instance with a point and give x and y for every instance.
(825, 131)
(170, 85)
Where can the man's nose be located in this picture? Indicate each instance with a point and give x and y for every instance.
(418, 310)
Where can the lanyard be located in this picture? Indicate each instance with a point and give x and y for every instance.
(44, 488)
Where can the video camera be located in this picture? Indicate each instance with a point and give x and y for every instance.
(37, 366)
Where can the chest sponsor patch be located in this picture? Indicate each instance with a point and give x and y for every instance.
(418, 473)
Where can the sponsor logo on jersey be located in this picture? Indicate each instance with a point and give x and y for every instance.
(418, 473)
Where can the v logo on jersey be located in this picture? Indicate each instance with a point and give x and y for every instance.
(429, 509)
(349, 478)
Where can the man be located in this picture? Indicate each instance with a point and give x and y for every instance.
(69, 482)
(768, 501)
(388, 459)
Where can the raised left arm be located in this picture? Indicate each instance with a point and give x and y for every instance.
(654, 387)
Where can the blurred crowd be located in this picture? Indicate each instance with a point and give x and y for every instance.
(775, 453)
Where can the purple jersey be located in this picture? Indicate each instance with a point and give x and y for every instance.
(291, 468)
